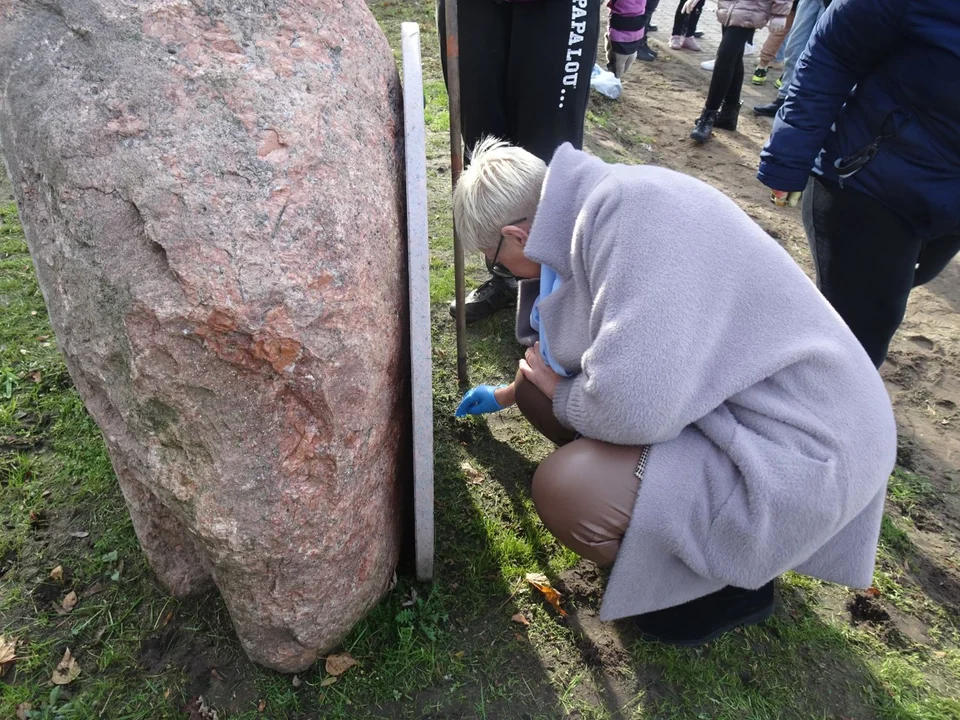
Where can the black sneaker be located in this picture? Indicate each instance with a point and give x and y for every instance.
(652, 28)
(770, 110)
(495, 294)
(698, 34)
(699, 621)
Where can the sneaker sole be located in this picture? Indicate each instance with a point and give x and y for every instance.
(758, 617)
(758, 82)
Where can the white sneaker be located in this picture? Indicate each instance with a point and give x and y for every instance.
(749, 49)
(708, 65)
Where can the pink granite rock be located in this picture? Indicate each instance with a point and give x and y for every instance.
(212, 196)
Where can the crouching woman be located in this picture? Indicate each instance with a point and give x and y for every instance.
(718, 423)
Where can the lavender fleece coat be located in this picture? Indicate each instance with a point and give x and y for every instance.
(692, 331)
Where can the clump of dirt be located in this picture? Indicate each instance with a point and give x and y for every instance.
(867, 609)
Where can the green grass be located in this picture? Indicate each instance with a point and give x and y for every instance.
(449, 649)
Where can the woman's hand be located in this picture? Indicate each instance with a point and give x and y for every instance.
(480, 401)
(536, 370)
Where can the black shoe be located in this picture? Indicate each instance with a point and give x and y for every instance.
(727, 117)
(495, 294)
(770, 110)
(704, 129)
(707, 618)
(646, 54)
(652, 28)
(698, 34)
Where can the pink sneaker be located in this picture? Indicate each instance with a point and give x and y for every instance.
(676, 42)
(689, 43)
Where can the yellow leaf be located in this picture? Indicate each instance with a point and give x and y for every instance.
(70, 601)
(519, 618)
(939, 654)
(262, 705)
(328, 681)
(22, 710)
(338, 664)
(474, 476)
(67, 670)
(57, 573)
(8, 653)
(541, 583)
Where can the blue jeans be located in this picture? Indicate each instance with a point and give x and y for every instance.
(804, 21)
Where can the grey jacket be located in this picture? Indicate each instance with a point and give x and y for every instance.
(693, 332)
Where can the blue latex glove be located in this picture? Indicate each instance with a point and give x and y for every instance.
(479, 401)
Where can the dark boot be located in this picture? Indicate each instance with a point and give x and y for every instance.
(728, 116)
(770, 110)
(495, 294)
(704, 619)
(645, 52)
(704, 129)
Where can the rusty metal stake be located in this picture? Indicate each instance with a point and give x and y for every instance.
(456, 166)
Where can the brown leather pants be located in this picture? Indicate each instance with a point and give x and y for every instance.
(585, 490)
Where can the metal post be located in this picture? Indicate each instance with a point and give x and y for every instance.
(456, 166)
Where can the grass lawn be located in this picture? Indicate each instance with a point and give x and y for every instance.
(448, 650)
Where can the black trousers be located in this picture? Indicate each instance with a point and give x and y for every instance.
(525, 70)
(868, 260)
(727, 79)
(686, 25)
(649, 10)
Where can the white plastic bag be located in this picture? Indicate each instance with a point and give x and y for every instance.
(605, 83)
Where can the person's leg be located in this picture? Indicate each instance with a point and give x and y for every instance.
(934, 257)
(865, 258)
(773, 43)
(732, 98)
(584, 494)
(693, 20)
(484, 51)
(552, 52)
(537, 408)
(484, 44)
(729, 57)
(804, 21)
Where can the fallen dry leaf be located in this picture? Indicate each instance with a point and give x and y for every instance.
(261, 706)
(939, 654)
(93, 590)
(339, 664)
(79, 534)
(22, 710)
(519, 618)
(36, 377)
(328, 681)
(297, 682)
(411, 599)
(8, 653)
(57, 574)
(474, 476)
(541, 583)
(872, 592)
(67, 670)
(217, 675)
(70, 601)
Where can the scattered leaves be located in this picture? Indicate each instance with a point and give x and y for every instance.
(939, 654)
(339, 664)
(23, 710)
(519, 618)
(35, 376)
(261, 706)
(328, 681)
(393, 582)
(541, 583)
(79, 534)
(57, 574)
(8, 653)
(197, 709)
(70, 601)
(474, 476)
(872, 592)
(411, 599)
(67, 670)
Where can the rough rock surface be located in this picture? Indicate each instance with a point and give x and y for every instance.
(212, 195)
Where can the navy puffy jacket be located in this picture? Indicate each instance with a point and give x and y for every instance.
(870, 61)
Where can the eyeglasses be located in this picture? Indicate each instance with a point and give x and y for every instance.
(493, 264)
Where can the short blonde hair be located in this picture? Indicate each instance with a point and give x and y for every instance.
(501, 185)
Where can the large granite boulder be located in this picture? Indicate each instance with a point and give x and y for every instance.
(212, 196)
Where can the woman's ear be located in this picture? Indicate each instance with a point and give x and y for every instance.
(517, 232)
